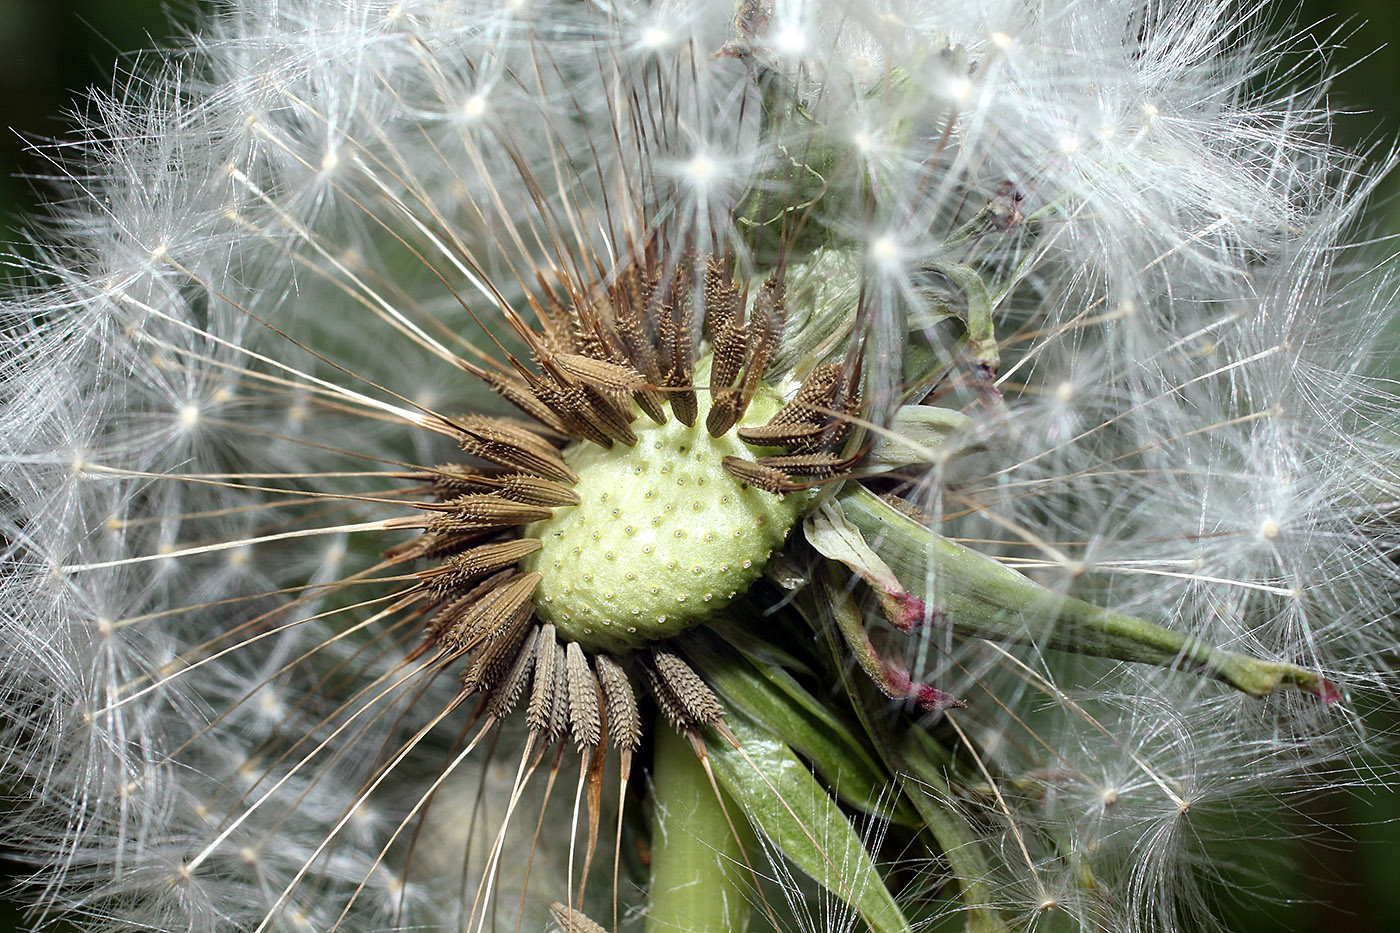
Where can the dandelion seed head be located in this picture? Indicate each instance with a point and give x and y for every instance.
(343, 300)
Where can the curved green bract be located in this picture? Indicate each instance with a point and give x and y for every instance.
(798, 818)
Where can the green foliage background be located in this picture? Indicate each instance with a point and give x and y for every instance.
(51, 50)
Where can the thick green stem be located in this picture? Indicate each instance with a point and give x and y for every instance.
(698, 877)
(984, 599)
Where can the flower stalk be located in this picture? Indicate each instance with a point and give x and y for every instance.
(700, 853)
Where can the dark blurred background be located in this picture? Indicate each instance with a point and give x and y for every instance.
(1347, 879)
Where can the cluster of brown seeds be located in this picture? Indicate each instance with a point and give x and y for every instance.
(597, 351)
(810, 427)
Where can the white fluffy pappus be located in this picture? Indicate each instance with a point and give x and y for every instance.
(1103, 239)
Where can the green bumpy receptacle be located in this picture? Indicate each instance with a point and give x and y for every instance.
(663, 536)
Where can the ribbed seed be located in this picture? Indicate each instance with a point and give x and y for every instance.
(571, 403)
(559, 711)
(508, 691)
(813, 398)
(731, 347)
(722, 297)
(447, 615)
(666, 702)
(681, 363)
(467, 566)
(451, 480)
(555, 315)
(506, 444)
(684, 406)
(571, 921)
(632, 299)
(679, 692)
(725, 410)
(730, 344)
(624, 723)
(769, 479)
(442, 543)
(486, 511)
(695, 699)
(497, 655)
(585, 719)
(768, 320)
(678, 350)
(609, 416)
(492, 614)
(451, 612)
(533, 490)
(518, 393)
(781, 435)
(542, 692)
(615, 379)
(651, 403)
(821, 463)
